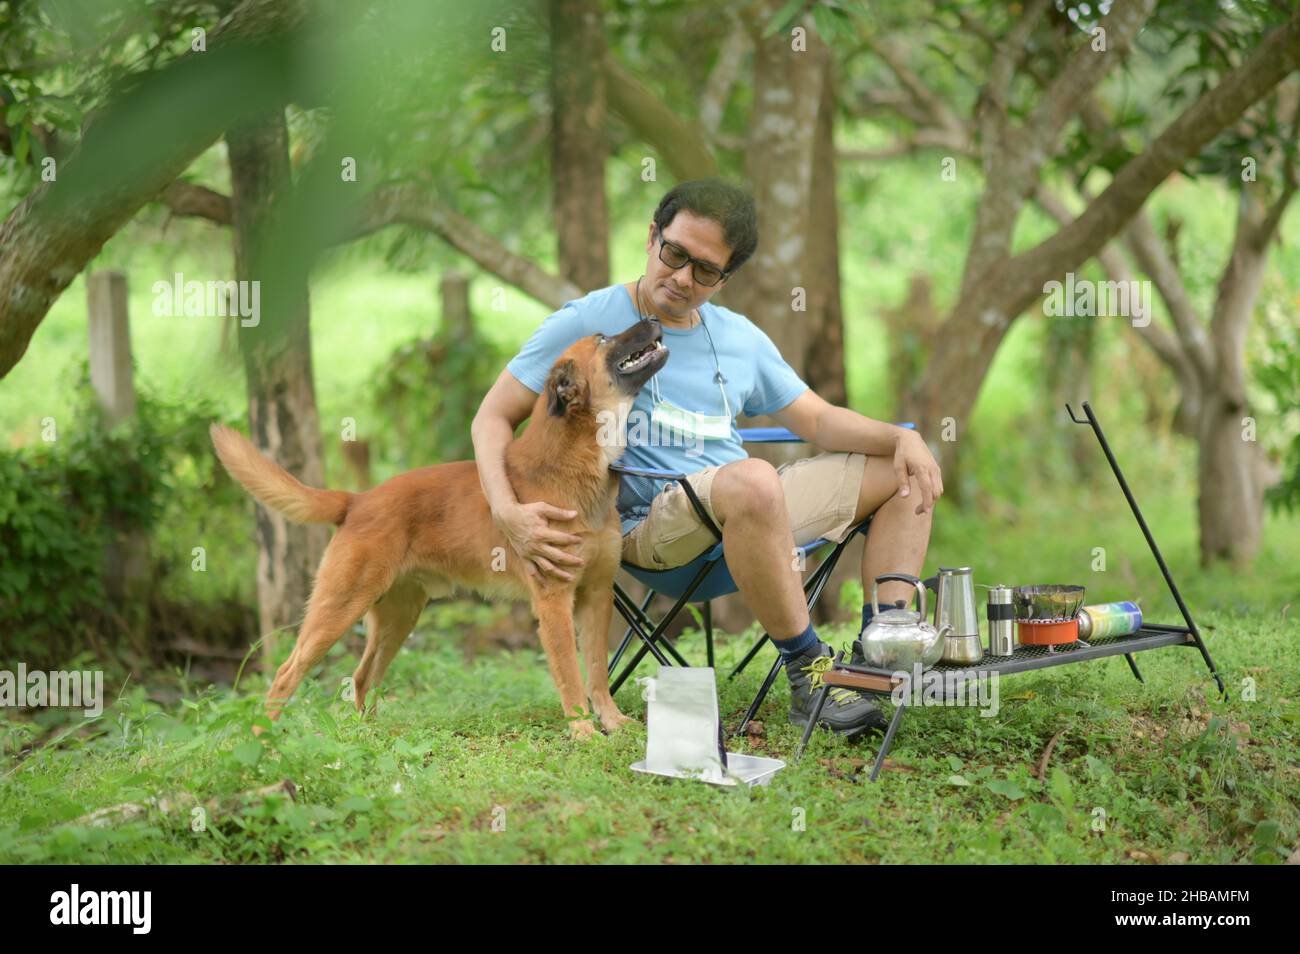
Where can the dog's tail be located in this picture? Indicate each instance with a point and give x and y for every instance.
(273, 485)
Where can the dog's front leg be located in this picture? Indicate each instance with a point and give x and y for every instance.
(595, 609)
(554, 608)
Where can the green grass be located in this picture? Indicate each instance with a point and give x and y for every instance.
(457, 751)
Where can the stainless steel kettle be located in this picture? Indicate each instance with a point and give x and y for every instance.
(899, 639)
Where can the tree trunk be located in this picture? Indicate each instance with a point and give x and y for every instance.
(1231, 500)
(1067, 363)
(824, 366)
(578, 142)
(1230, 504)
(774, 283)
(782, 136)
(277, 364)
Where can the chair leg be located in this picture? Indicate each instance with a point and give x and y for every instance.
(637, 625)
(708, 631)
(889, 738)
(625, 610)
(762, 694)
(753, 651)
(672, 651)
(647, 646)
(812, 721)
(621, 598)
(618, 653)
(812, 590)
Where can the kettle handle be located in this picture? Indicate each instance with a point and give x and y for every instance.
(897, 578)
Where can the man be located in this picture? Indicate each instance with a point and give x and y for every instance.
(720, 364)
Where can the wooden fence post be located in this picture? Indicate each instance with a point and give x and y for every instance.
(454, 289)
(126, 557)
(110, 345)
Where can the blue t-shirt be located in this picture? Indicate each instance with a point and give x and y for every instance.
(759, 381)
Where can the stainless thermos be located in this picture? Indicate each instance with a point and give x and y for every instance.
(1002, 622)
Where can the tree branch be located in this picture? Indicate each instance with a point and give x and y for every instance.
(189, 199)
(1019, 281)
(722, 78)
(927, 138)
(404, 205)
(925, 99)
(1079, 77)
(991, 108)
(1165, 346)
(680, 143)
(1154, 259)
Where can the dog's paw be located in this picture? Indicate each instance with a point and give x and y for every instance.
(581, 729)
(613, 721)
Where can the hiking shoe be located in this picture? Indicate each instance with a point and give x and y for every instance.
(846, 712)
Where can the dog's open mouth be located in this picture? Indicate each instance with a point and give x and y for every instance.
(639, 359)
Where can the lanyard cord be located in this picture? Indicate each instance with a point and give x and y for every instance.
(718, 376)
(717, 365)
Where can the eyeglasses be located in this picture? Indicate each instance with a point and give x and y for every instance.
(674, 256)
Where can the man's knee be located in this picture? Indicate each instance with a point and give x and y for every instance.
(880, 486)
(747, 487)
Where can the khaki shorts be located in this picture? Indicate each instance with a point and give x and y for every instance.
(821, 497)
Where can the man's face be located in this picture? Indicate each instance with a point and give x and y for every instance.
(700, 238)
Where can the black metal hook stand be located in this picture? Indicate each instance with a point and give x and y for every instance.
(1151, 541)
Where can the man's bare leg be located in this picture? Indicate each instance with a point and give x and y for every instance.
(749, 503)
(899, 536)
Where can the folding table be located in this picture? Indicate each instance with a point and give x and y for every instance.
(955, 678)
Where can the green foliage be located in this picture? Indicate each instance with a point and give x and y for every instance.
(55, 506)
(1278, 374)
(62, 59)
(428, 391)
(62, 502)
(834, 19)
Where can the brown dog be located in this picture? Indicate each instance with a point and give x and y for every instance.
(426, 532)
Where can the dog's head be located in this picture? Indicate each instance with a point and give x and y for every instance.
(598, 372)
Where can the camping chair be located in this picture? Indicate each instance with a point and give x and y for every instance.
(704, 579)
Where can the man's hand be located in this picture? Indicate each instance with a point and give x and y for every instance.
(529, 533)
(913, 459)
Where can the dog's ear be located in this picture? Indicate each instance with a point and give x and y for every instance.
(563, 388)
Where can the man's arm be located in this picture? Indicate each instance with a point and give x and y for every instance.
(833, 428)
(503, 409)
(525, 526)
